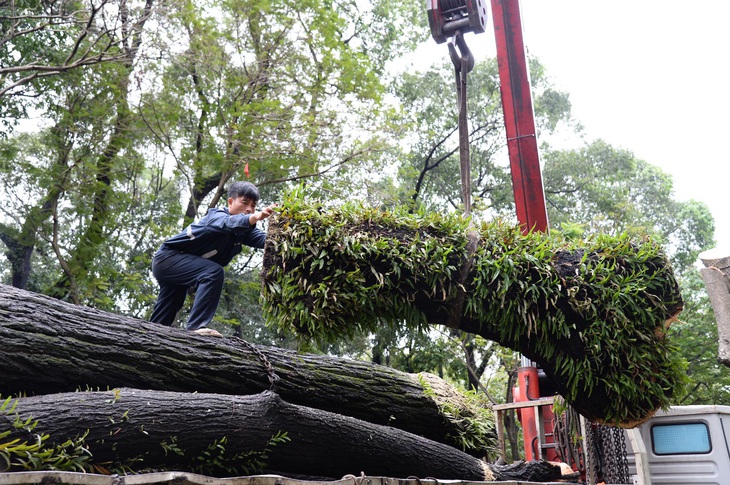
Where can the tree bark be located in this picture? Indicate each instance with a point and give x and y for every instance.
(125, 425)
(50, 346)
(716, 276)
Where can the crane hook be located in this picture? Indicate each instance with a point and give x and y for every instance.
(463, 60)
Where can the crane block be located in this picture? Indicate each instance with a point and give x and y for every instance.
(448, 16)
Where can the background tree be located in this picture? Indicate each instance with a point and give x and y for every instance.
(201, 94)
(278, 88)
(41, 40)
(697, 337)
(605, 189)
(91, 128)
(430, 168)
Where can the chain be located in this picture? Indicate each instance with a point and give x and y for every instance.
(622, 465)
(605, 453)
(609, 447)
(601, 456)
(273, 378)
(567, 433)
(590, 450)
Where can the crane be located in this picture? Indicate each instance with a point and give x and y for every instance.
(449, 21)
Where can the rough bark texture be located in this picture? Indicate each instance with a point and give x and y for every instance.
(128, 424)
(49, 346)
(716, 276)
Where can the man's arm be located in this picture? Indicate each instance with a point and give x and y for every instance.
(260, 215)
(256, 237)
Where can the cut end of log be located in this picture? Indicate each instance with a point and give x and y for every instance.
(476, 440)
(488, 473)
(630, 424)
(717, 256)
(442, 392)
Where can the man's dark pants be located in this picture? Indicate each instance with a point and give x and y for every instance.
(176, 272)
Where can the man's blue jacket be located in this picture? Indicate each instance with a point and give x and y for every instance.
(218, 236)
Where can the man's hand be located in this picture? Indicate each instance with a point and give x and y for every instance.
(260, 215)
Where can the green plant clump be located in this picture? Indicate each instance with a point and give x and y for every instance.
(472, 418)
(21, 455)
(591, 313)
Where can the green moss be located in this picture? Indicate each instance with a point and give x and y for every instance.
(469, 414)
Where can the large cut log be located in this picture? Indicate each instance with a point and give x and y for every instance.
(593, 314)
(129, 426)
(49, 346)
(716, 276)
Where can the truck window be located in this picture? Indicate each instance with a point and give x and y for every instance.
(680, 438)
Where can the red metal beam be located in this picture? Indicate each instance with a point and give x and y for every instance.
(519, 116)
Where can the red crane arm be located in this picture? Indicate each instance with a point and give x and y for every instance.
(519, 116)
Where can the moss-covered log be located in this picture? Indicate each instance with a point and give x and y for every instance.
(49, 346)
(227, 435)
(593, 314)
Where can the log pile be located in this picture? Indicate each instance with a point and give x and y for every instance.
(52, 347)
(144, 397)
(593, 314)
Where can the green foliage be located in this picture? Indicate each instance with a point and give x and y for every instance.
(607, 190)
(340, 271)
(20, 455)
(622, 292)
(319, 254)
(215, 458)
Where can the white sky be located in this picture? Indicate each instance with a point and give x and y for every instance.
(649, 76)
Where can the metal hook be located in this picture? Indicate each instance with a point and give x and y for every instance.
(465, 59)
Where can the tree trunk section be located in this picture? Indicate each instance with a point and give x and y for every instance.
(594, 316)
(716, 276)
(50, 346)
(130, 424)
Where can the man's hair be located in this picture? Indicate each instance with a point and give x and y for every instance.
(243, 189)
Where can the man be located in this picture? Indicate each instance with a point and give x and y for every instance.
(196, 257)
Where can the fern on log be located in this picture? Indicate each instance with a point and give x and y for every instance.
(593, 314)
